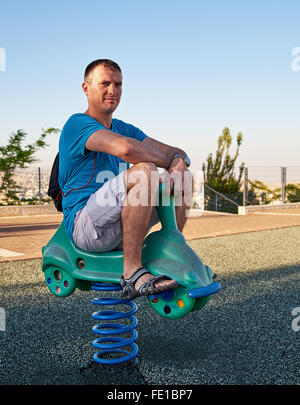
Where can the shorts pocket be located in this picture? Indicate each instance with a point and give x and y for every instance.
(103, 214)
(84, 230)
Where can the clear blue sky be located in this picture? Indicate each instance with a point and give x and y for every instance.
(190, 68)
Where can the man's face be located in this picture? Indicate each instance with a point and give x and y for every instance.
(103, 89)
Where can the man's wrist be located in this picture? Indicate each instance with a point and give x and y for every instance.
(184, 157)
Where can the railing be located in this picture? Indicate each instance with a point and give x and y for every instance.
(272, 184)
(213, 201)
(278, 185)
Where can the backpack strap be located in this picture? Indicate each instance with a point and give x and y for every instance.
(78, 188)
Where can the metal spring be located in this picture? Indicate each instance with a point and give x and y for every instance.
(113, 344)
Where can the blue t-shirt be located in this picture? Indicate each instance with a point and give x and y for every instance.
(76, 164)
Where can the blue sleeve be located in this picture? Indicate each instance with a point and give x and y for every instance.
(138, 134)
(133, 132)
(77, 131)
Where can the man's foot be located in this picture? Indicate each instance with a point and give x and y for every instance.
(143, 283)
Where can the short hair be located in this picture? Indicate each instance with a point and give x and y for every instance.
(109, 64)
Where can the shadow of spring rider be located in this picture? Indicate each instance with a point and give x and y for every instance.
(66, 267)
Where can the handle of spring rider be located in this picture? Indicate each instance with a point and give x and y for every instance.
(166, 208)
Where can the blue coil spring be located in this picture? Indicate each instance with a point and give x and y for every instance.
(113, 344)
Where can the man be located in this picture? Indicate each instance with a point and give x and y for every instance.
(93, 143)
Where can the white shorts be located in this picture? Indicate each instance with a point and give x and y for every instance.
(98, 225)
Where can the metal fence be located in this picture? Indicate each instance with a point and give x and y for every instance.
(260, 185)
(32, 185)
(272, 184)
(216, 201)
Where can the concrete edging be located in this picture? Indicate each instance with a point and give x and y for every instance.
(255, 208)
(23, 210)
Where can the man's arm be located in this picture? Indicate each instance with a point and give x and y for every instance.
(168, 150)
(129, 149)
(177, 165)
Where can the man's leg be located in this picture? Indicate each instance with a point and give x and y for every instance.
(136, 219)
(184, 203)
(181, 216)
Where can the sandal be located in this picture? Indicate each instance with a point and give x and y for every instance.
(129, 292)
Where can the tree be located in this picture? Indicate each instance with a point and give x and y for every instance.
(269, 195)
(293, 192)
(264, 193)
(219, 171)
(14, 155)
(219, 174)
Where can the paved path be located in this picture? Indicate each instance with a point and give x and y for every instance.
(23, 237)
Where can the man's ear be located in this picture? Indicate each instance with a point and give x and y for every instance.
(85, 88)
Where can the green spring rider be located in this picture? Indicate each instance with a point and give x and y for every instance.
(66, 267)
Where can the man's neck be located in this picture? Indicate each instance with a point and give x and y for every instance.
(103, 119)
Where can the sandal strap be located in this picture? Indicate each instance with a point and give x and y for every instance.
(149, 285)
(129, 291)
(133, 279)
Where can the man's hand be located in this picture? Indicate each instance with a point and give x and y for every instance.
(177, 171)
(180, 177)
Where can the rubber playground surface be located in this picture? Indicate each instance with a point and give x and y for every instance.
(247, 333)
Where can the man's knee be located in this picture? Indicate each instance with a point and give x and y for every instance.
(146, 167)
(141, 173)
(142, 180)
